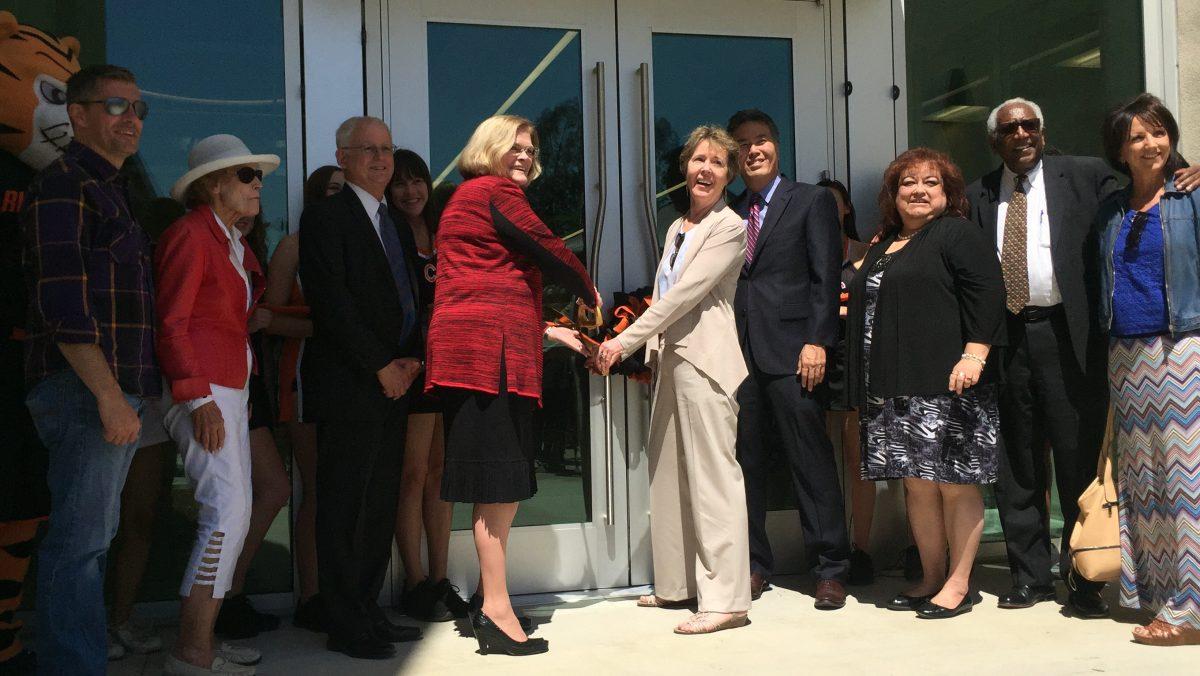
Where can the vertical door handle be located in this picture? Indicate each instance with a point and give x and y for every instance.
(648, 168)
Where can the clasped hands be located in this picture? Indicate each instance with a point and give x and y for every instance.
(398, 376)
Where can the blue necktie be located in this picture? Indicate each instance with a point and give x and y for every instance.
(395, 255)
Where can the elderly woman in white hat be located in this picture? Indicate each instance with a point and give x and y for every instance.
(207, 282)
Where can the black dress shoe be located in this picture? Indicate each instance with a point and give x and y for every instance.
(425, 602)
(385, 630)
(492, 639)
(310, 614)
(237, 619)
(365, 647)
(1026, 595)
(932, 611)
(450, 596)
(904, 602)
(475, 609)
(1087, 604)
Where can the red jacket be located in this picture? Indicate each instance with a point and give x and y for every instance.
(200, 300)
(492, 251)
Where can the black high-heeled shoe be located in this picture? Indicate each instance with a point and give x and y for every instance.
(492, 639)
(476, 605)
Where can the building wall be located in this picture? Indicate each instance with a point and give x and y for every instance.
(1189, 77)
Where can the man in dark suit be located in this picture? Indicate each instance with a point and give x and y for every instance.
(1040, 210)
(362, 358)
(786, 308)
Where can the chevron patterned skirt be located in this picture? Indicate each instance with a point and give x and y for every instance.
(1155, 384)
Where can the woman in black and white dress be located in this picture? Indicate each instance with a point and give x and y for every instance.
(926, 307)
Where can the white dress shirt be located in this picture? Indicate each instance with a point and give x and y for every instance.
(669, 274)
(1043, 288)
(371, 205)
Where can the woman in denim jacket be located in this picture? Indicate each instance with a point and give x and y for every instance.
(1150, 304)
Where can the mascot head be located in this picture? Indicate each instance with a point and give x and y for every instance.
(34, 68)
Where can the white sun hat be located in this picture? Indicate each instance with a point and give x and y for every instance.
(216, 152)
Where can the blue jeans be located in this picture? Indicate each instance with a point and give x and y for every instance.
(85, 478)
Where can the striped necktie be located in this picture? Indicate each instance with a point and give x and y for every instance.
(753, 225)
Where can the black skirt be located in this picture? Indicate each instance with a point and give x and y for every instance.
(489, 446)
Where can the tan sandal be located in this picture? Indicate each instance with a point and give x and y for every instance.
(1162, 633)
(652, 601)
(703, 623)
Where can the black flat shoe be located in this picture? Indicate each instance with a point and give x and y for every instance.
(1026, 596)
(310, 614)
(932, 611)
(1087, 604)
(904, 602)
(493, 640)
(476, 605)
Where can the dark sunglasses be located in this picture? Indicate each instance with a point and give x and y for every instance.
(678, 243)
(1136, 228)
(248, 174)
(117, 105)
(1031, 126)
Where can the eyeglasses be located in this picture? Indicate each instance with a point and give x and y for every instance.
(373, 151)
(1031, 126)
(117, 105)
(678, 243)
(248, 174)
(531, 151)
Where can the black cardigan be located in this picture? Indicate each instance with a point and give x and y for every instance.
(943, 290)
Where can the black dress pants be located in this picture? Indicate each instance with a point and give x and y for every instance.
(1046, 400)
(358, 487)
(769, 401)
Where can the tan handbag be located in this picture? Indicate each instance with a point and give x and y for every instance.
(1096, 540)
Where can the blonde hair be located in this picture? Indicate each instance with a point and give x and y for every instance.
(716, 136)
(490, 141)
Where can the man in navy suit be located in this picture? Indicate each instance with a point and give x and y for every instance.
(787, 316)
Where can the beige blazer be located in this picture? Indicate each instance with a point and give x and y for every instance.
(695, 317)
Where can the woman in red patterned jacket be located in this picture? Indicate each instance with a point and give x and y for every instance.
(485, 350)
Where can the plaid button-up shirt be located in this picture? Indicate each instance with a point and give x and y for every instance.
(88, 266)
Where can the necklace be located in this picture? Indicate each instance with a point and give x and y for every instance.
(909, 235)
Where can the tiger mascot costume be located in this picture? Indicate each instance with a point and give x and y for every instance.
(34, 129)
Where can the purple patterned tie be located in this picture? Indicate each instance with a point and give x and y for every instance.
(753, 224)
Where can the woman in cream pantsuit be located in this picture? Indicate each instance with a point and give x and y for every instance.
(697, 499)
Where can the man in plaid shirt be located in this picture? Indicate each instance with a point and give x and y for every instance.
(89, 356)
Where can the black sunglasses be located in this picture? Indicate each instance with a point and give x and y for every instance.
(248, 174)
(1136, 228)
(117, 105)
(678, 243)
(1031, 126)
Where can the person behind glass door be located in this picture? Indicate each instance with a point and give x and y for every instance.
(429, 598)
(86, 262)
(926, 308)
(1150, 304)
(842, 417)
(485, 351)
(697, 499)
(283, 290)
(363, 356)
(787, 317)
(207, 283)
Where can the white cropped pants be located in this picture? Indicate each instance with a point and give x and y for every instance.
(221, 482)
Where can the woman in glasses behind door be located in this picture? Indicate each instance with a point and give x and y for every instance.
(1150, 304)
(484, 351)
(207, 283)
(697, 499)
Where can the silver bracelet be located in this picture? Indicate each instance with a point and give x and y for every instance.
(975, 358)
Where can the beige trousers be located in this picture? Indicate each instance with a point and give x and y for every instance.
(698, 525)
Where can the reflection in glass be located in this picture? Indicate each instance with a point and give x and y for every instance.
(536, 73)
(702, 79)
(1075, 58)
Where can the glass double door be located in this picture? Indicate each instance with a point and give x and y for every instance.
(614, 88)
